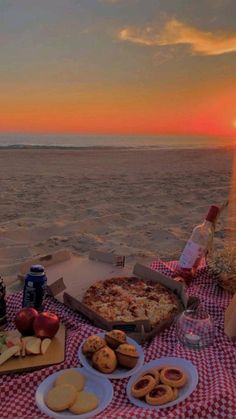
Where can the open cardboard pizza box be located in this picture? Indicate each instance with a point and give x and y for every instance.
(69, 278)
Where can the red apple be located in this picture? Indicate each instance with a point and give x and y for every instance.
(24, 320)
(46, 325)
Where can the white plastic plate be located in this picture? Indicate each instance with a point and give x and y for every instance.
(119, 372)
(184, 392)
(101, 387)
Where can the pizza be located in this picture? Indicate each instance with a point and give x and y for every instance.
(129, 298)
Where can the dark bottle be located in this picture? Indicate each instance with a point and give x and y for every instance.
(3, 311)
(34, 287)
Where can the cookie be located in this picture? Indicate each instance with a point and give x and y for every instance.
(73, 377)
(61, 397)
(154, 373)
(173, 376)
(160, 394)
(143, 385)
(84, 403)
(175, 393)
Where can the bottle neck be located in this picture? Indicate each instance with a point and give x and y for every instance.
(207, 223)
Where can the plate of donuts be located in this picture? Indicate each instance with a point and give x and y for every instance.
(111, 354)
(161, 383)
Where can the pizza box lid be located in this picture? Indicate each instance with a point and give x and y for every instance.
(70, 276)
(76, 273)
(49, 259)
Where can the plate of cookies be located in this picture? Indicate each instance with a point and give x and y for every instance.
(73, 393)
(161, 383)
(111, 354)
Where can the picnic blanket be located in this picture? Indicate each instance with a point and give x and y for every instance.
(214, 397)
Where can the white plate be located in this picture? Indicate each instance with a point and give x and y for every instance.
(184, 392)
(101, 387)
(119, 372)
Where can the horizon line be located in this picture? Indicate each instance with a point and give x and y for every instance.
(115, 134)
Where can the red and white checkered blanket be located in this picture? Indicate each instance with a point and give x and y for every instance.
(214, 397)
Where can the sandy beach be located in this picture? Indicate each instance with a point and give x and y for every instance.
(140, 203)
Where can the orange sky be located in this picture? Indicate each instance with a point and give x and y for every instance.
(117, 77)
(120, 111)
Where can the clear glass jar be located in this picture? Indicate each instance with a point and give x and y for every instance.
(195, 329)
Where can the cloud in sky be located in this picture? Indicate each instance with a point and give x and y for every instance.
(176, 32)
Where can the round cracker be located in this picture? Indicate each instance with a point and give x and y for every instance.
(84, 403)
(61, 397)
(73, 377)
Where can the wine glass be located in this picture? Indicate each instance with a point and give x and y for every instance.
(195, 329)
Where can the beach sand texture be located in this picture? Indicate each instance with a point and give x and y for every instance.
(140, 203)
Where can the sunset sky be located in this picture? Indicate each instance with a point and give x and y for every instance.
(118, 66)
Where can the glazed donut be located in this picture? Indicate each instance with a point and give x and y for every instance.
(154, 373)
(143, 385)
(160, 394)
(173, 376)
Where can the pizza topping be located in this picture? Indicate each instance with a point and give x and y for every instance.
(154, 298)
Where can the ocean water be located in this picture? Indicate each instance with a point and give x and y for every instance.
(128, 141)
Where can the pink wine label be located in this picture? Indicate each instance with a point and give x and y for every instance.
(190, 254)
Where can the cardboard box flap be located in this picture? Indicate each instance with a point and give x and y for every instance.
(56, 288)
(145, 272)
(111, 258)
(79, 273)
(47, 260)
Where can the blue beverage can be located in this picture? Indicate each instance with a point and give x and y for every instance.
(34, 287)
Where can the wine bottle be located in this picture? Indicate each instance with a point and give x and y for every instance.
(198, 245)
